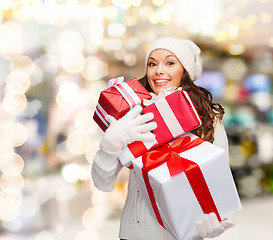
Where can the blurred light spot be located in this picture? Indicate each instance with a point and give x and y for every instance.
(44, 235)
(252, 18)
(65, 193)
(261, 100)
(12, 184)
(92, 148)
(84, 122)
(71, 41)
(265, 143)
(94, 69)
(25, 12)
(233, 31)
(120, 54)
(258, 173)
(236, 159)
(132, 43)
(99, 200)
(154, 18)
(5, 117)
(49, 62)
(69, 91)
(72, 62)
(66, 105)
(95, 90)
(236, 49)
(14, 226)
(16, 134)
(74, 172)
(62, 152)
(231, 92)
(95, 2)
(122, 3)
(95, 26)
(220, 36)
(245, 117)
(116, 29)
(18, 82)
(44, 191)
(136, 3)
(13, 165)
(23, 63)
(71, 172)
(59, 229)
(33, 108)
(14, 103)
(111, 44)
(9, 209)
(77, 143)
(110, 12)
(91, 220)
(265, 17)
(235, 69)
(270, 42)
(87, 235)
(10, 40)
(5, 148)
(249, 186)
(30, 207)
(158, 2)
(37, 76)
(130, 20)
(130, 59)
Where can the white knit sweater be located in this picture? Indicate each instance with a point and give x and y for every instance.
(137, 223)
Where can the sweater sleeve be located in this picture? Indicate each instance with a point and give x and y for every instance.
(105, 168)
(220, 136)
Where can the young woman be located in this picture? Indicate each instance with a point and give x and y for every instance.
(170, 62)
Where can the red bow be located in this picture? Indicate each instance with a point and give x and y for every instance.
(176, 164)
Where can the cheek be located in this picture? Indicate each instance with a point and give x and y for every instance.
(177, 78)
(149, 75)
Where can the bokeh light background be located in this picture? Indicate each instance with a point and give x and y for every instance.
(55, 58)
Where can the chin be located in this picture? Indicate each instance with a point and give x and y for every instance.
(157, 90)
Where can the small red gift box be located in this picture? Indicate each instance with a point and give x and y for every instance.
(184, 179)
(118, 99)
(175, 114)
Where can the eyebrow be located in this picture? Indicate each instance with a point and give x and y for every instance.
(171, 55)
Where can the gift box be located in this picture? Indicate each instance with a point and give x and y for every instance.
(174, 113)
(118, 99)
(183, 180)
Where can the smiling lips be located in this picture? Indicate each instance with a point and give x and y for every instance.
(160, 82)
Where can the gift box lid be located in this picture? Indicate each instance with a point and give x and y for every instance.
(120, 107)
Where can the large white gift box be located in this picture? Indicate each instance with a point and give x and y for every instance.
(184, 179)
(174, 113)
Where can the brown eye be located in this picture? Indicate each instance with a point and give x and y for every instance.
(170, 63)
(151, 64)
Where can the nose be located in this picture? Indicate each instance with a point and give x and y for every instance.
(160, 69)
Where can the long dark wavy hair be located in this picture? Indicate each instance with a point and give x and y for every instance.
(202, 100)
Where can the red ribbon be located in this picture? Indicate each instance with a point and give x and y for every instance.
(176, 164)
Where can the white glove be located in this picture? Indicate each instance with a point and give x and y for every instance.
(208, 225)
(131, 127)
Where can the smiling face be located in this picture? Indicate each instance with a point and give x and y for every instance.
(164, 70)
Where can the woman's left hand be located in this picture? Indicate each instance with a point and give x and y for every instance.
(208, 225)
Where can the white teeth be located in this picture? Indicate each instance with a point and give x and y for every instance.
(161, 81)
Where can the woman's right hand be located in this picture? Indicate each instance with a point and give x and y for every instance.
(130, 128)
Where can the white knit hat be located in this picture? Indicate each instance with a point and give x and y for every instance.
(185, 50)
